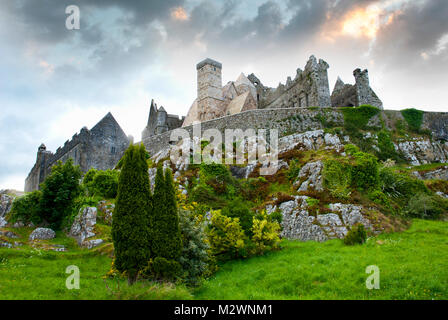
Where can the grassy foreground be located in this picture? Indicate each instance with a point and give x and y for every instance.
(413, 265)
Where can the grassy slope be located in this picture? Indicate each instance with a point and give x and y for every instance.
(413, 265)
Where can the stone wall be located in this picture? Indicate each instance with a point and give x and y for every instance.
(292, 120)
(308, 89)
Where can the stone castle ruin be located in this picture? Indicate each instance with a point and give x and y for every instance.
(216, 105)
(100, 148)
(309, 88)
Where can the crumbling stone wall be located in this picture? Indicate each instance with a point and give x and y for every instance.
(308, 89)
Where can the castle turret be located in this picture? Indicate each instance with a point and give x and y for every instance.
(161, 124)
(209, 89)
(364, 92)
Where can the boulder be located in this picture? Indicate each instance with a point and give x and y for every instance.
(83, 226)
(42, 234)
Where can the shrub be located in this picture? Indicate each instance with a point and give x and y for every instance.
(166, 238)
(294, 170)
(88, 177)
(194, 257)
(414, 118)
(131, 217)
(399, 185)
(364, 171)
(358, 118)
(166, 269)
(386, 146)
(276, 216)
(426, 206)
(237, 208)
(105, 183)
(265, 234)
(26, 208)
(337, 178)
(255, 189)
(59, 190)
(351, 149)
(226, 237)
(356, 235)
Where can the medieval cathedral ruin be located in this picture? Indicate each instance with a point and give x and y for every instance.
(104, 145)
(100, 148)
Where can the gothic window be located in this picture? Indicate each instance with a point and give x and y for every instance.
(307, 100)
(112, 150)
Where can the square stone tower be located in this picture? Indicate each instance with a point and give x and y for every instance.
(209, 90)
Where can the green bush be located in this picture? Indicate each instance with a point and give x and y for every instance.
(351, 149)
(165, 234)
(59, 191)
(357, 118)
(131, 223)
(364, 171)
(105, 183)
(294, 170)
(337, 178)
(426, 206)
(414, 118)
(386, 146)
(88, 177)
(26, 208)
(356, 235)
(237, 208)
(166, 269)
(194, 257)
(400, 185)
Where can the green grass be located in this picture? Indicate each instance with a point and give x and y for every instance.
(413, 265)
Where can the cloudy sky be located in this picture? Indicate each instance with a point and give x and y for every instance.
(54, 81)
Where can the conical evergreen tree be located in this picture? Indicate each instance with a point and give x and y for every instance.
(166, 232)
(131, 217)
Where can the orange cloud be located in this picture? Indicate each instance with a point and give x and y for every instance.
(179, 13)
(362, 22)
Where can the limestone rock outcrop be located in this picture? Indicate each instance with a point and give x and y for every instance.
(310, 177)
(42, 234)
(83, 227)
(298, 224)
(5, 206)
(422, 151)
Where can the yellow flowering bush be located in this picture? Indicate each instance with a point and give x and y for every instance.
(265, 233)
(226, 237)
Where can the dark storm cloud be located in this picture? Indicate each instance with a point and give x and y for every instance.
(414, 31)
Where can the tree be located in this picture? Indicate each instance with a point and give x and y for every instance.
(166, 237)
(131, 222)
(59, 190)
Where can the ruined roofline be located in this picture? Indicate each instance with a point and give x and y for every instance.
(210, 62)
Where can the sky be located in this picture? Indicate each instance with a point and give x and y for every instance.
(54, 81)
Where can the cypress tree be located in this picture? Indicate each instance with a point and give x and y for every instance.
(131, 217)
(166, 238)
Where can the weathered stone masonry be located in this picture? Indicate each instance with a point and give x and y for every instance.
(100, 148)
